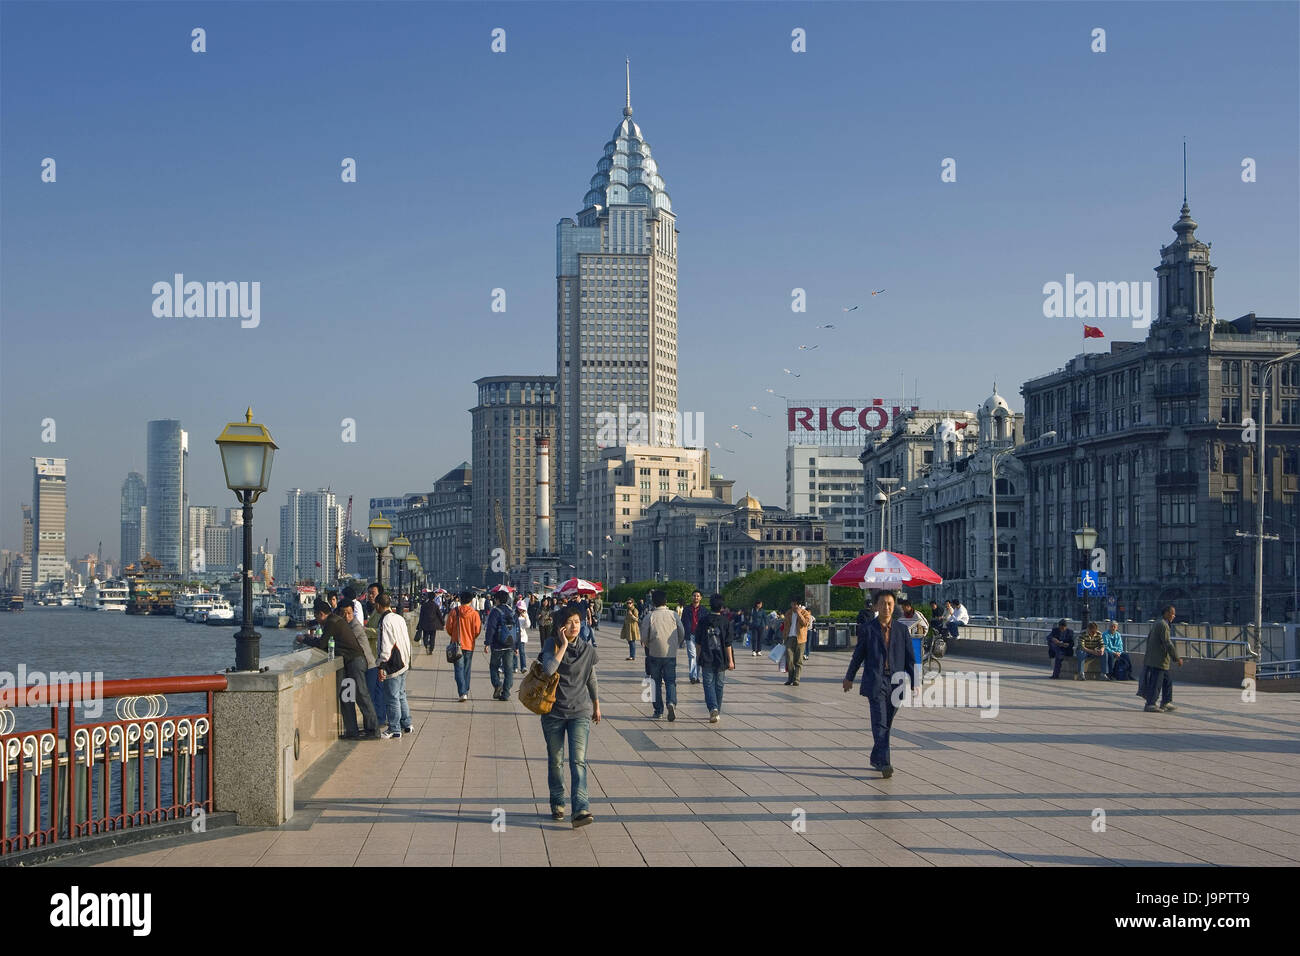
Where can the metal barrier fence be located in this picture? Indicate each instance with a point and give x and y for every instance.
(1192, 644)
(89, 778)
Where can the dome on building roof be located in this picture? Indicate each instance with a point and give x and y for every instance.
(750, 503)
(625, 172)
(996, 401)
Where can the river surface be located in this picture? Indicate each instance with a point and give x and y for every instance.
(117, 646)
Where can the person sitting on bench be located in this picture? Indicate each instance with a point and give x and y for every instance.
(1092, 644)
(1060, 645)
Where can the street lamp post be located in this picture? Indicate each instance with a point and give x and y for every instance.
(246, 455)
(1259, 503)
(994, 471)
(1085, 539)
(401, 548)
(883, 498)
(380, 530)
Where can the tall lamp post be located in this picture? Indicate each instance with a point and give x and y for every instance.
(1045, 436)
(883, 499)
(412, 563)
(246, 455)
(401, 548)
(1085, 539)
(380, 531)
(1259, 503)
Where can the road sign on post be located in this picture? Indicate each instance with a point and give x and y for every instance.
(1091, 584)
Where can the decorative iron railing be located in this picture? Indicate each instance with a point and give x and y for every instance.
(73, 780)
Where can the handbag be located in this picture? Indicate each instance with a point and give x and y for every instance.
(394, 662)
(537, 689)
(453, 652)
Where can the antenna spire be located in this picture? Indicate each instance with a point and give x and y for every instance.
(1184, 170)
(627, 109)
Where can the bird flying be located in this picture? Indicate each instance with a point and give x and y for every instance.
(854, 309)
(737, 428)
(878, 292)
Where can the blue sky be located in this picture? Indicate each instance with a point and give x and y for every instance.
(817, 170)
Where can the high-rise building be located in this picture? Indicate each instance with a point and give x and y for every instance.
(827, 481)
(222, 547)
(25, 570)
(439, 529)
(167, 493)
(511, 410)
(133, 518)
(198, 519)
(49, 520)
(616, 304)
(311, 528)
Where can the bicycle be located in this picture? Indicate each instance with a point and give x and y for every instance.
(933, 646)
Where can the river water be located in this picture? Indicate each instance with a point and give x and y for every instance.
(118, 646)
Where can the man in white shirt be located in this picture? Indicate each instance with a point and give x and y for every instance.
(394, 649)
(955, 617)
(662, 634)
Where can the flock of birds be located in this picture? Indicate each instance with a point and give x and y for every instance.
(790, 372)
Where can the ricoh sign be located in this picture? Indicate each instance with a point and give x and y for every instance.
(841, 423)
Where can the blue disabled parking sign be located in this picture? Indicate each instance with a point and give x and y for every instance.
(1091, 584)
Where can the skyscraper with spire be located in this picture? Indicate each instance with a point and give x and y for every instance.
(616, 307)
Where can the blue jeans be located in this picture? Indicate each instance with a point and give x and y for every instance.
(714, 678)
(378, 695)
(663, 671)
(461, 669)
(882, 719)
(953, 630)
(554, 729)
(522, 656)
(1083, 655)
(631, 650)
(397, 706)
(692, 660)
(503, 660)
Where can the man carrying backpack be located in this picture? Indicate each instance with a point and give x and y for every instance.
(431, 622)
(502, 636)
(713, 637)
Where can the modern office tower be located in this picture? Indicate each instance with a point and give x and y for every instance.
(511, 410)
(198, 519)
(49, 520)
(826, 481)
(616, 303)
(311, 528)
(25, 570)
(222, 547)
(133, 518)
(167, 494)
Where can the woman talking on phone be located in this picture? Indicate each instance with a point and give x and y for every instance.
(577, 706)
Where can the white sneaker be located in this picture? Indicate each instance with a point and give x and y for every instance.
(388, 735)
(713, 716)
(464, 696)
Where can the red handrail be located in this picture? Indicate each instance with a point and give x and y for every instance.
(79, 691)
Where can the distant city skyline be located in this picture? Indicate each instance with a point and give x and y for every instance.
(817, 171)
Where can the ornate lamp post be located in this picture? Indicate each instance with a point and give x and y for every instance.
(380, 529)
(401, 548)
(412, 564)
(246, 455)
(1085, 539)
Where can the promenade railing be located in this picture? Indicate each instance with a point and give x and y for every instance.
(75, 779)
(1207, 641)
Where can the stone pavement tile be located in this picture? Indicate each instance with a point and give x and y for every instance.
(761, 858)
(807, 858)
(1238, 855)
(381, 859)
(427, 859)
(680, 858)
(714, 859)
(620, 859)
(140, 860)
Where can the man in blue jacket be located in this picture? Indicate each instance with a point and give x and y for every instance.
(885, 646)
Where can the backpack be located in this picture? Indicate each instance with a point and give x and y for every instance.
(507, 632)
(712, 637)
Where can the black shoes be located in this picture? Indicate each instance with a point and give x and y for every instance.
(672, 713)
(557, 813)
(582, 819)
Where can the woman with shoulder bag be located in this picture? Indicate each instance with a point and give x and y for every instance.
(576, 708)
(632, 629)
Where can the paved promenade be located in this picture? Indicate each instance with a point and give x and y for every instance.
(1217, 782)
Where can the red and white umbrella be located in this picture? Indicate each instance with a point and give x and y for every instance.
(578, 586)
(441, 591)
(502, 589)
(884, 569)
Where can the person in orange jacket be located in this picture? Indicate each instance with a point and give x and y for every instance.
(463, 625)
(797, 622)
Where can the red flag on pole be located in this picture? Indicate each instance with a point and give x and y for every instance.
(1092, 332)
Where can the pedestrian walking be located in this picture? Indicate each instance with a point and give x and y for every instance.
(463, 627)
(394, 659)
(713, 640)
(576, 708)
(431, 622)
(661, 637)
(525, 622)
(757, 628)
(690, 621)
(1160, 651)
(631, 629)
(501, 635)
(797, 622)
(885, 651)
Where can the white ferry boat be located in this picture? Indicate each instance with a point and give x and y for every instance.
(271, 613)
(190, 603)
(220, 613)
(103, 596)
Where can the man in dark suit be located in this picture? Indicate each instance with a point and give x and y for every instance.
(885, 646)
